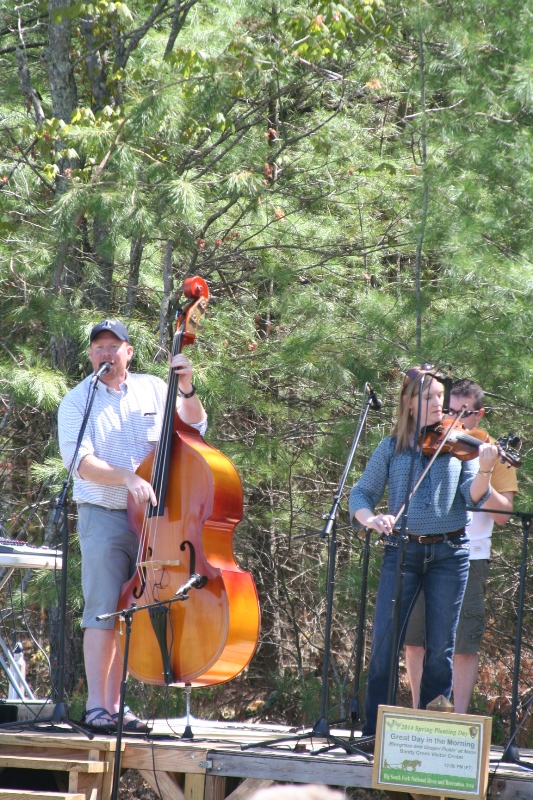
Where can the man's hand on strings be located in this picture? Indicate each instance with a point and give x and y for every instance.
(140, 490)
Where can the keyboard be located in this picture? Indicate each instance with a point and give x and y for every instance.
(20, 555)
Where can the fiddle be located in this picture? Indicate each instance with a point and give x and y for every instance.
(450, 436)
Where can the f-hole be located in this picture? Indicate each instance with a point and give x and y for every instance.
(192, 562)
(192, 557)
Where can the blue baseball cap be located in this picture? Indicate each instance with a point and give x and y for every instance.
(113, 326)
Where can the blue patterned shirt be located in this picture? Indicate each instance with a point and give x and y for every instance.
(438, 505)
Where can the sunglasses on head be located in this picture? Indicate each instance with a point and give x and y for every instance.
(417, 372)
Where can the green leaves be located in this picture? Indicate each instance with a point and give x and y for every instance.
(186, 199)
(33, 385)
(244, 183)
(102, 12)
(186, 62)
(320, 32)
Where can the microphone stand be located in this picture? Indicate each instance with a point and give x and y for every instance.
(321, 727)
(60, 714)
(355, 708)
(511, 753)
(195, 581)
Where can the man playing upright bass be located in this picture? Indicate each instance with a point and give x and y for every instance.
(123, 427)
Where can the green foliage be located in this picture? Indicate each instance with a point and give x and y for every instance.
(291, 698)
(351, 212)
(34, 385)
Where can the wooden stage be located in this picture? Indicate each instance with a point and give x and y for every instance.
(210, 766)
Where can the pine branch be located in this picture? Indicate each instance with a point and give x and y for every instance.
(68, 241)
(24, 160)
(179, 17)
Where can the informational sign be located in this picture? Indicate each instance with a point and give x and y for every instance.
(432, 752)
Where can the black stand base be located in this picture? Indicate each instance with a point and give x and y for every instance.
(511, 755)
(59, 717)
(187, 733)
(320, 730)
(362, 746)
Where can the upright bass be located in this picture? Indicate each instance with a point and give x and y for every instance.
(211, 635)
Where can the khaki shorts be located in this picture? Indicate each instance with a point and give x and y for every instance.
(108, 559)
(472, 620)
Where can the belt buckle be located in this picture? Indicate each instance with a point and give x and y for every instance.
(424, 536)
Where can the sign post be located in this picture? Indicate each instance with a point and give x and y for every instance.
(431, 752)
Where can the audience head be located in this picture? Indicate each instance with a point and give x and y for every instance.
(292, 791)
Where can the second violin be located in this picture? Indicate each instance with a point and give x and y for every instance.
(450, 436)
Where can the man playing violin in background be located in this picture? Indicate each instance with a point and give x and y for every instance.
(466, 395)
(123, 428)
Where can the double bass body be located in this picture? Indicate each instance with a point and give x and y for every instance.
(211, 636)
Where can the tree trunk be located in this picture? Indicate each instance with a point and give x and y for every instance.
(105, 261)
(62, 83)
(136, 252)
(425, 200)
(96, 65)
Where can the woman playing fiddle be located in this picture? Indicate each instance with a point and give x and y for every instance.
(437, 549)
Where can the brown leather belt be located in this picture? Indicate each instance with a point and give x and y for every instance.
(429, 538)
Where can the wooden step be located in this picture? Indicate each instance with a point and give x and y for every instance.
(60, 764)
(29, 794)
(56, 741)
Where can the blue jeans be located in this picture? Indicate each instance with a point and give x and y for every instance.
(441, 570)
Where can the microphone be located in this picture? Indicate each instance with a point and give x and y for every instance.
(375, 402)
(447, 382)
(195, 582)
(103, 368)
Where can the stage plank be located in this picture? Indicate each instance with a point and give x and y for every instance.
(209, 764)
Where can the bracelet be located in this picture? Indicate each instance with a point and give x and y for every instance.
(186, 395)
(486, 472)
